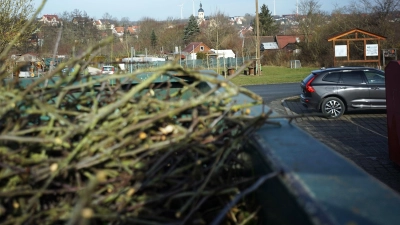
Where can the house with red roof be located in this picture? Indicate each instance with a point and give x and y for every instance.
(103, 24)
(193, 48)
(50, 20)
(99, 25)
(119, 31)
(133, 30)
(288, 42)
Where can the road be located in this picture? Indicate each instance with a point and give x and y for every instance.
(272, 92)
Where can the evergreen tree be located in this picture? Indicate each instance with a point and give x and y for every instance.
(191, 29)
(267, 23)
(153, 39)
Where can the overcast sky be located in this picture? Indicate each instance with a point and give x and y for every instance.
(162, 9)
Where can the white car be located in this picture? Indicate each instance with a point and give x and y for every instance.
(107, 70)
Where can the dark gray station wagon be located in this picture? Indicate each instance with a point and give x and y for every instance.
(336, 90)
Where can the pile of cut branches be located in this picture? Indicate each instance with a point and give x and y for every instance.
(161, 146)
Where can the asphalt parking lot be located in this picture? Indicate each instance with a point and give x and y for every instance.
(360, 136)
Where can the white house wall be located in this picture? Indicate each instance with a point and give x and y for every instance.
(224, 53)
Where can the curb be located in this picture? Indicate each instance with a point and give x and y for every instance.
(285, 105)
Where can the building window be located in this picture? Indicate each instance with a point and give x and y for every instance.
(201, 48)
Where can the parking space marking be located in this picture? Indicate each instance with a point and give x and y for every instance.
(351, 121)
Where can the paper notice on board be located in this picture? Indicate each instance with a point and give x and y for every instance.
(340, 50)
(371, 50)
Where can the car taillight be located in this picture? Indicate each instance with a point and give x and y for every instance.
(310, 88)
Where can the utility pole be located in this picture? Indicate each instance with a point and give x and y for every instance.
(257, 70)
(180, 56)
(131, 60)
(218, 48)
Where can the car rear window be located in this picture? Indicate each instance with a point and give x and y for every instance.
(332, 77)
(308, 78)
(107, 68)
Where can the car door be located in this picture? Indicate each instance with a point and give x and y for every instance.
(354, 89)
(377, 90)
(330, 83)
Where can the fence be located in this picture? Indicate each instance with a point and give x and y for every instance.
(195, 64)
(212, 63)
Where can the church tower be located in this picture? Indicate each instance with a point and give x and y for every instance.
(200, 15)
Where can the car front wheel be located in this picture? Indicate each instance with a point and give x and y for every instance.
(333, 107)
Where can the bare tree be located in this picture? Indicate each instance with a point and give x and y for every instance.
(215, 32)
(376, 14)
(49, 36)
(386, 8)
(248, 19)
(77, 13)
(107, 20)
(78, 32)
(14, 15)
(168, 40)
(147, 25)
(124, 21)
(312, 20)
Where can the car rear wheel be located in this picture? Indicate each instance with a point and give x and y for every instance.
(333, 107)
